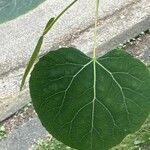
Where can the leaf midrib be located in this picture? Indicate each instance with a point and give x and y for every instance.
(94, 61)
(93, 101)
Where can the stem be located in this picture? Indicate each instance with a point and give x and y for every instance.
(95, 30)
(59, 16)
(37, 49)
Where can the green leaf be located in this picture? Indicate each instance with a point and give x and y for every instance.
(32, 60)
(90, 104)
(48, 26)
(36, 51)
(148, 67)
(10, 9)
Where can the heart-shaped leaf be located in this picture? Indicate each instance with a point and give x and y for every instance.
(90, 104)
(10, 9)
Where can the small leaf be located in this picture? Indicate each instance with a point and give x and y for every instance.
(90, 104)
(10, 9)
(36, 51)
(48, 26)
(32, 60)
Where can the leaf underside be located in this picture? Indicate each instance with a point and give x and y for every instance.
(90, 104)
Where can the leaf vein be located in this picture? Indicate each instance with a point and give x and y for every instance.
(74, 76)
(119, 86)
(110, 114)
(58, 65)
(126, 73)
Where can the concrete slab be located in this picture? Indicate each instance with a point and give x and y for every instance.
(117, 29)
(18, 37)
(24, 136)
(113, 30)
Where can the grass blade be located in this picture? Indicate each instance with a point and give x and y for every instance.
(48, 26)
(35, 54)
(32, 60)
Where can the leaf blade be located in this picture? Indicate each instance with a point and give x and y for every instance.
(85, 103)
(32, 60)
(48, 26)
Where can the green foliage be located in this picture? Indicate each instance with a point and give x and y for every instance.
(32, 60)
(36, 51)
(138, 140)
(52, 145)
(2, 132)
(10, 9)
(148, 67)
(89, 103)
